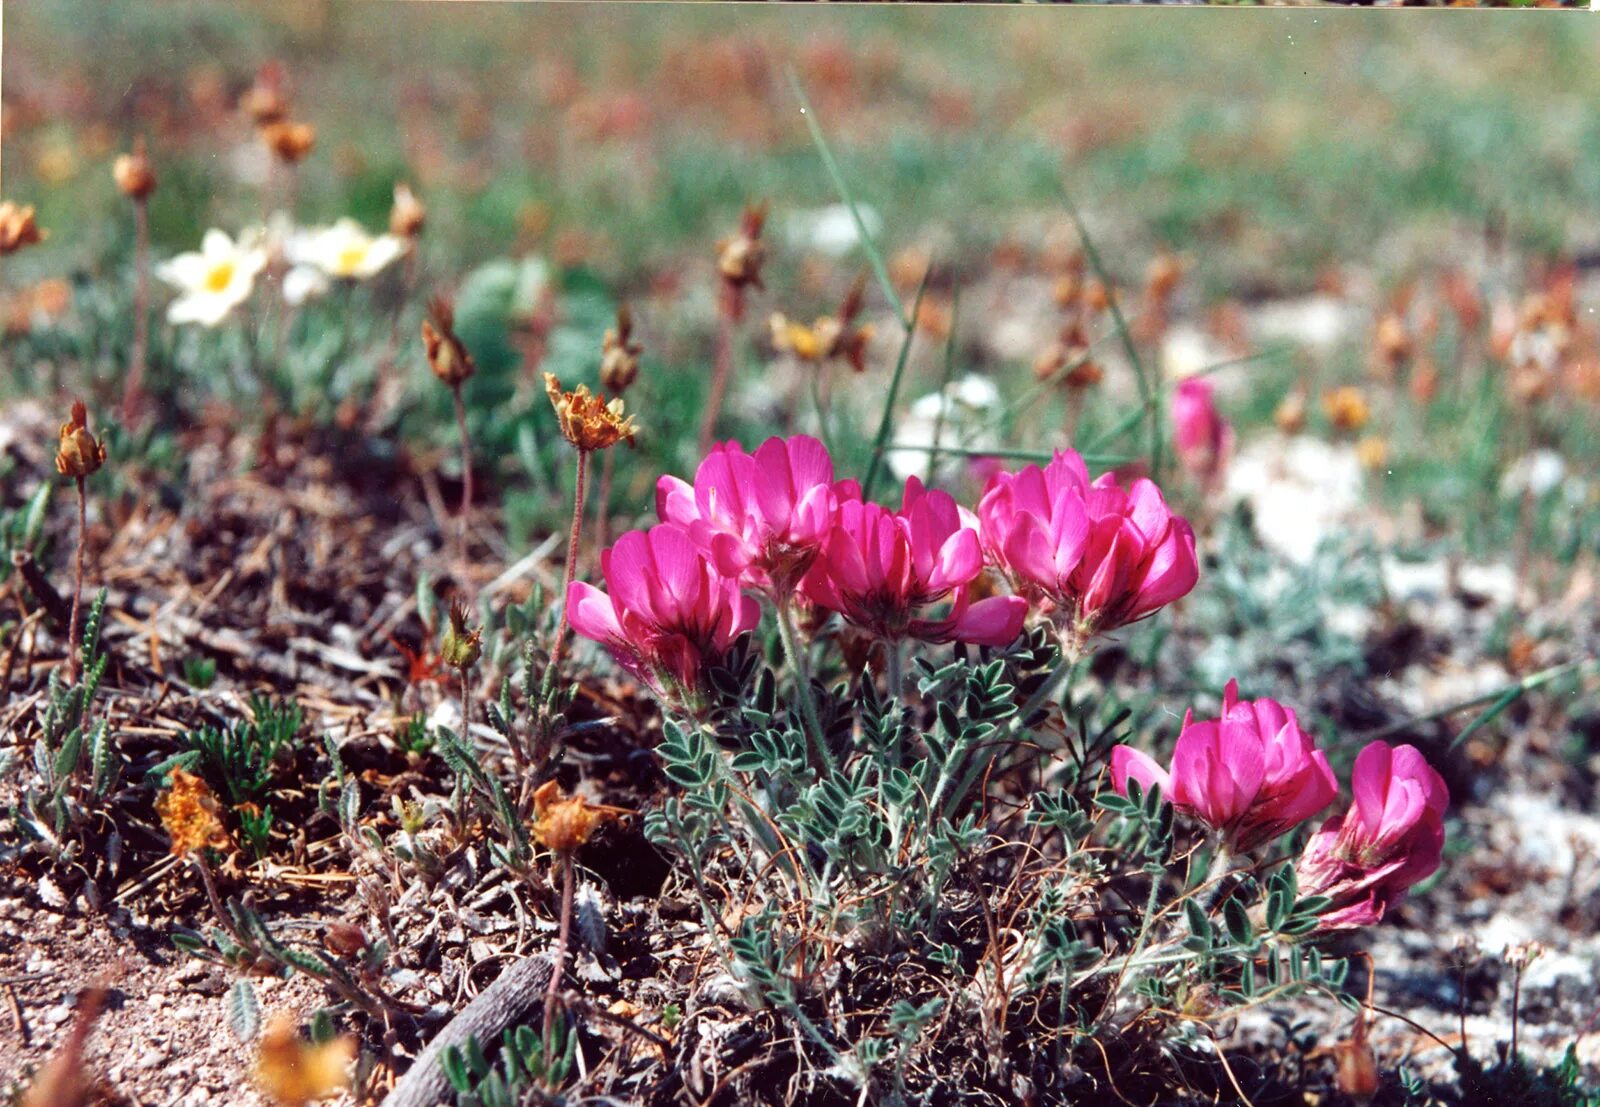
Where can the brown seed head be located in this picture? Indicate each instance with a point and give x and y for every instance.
(447, 357)
(1162, 277)
(619, 355)
(1291, 413)
(587, 420)
(191, 815)
(460, 647)
(18, 228)
(564, 823)
(293, 1072)
(739, 258)
(79, 454)
(264, 101)
(408, 214)
(133, 173)
(288, 140)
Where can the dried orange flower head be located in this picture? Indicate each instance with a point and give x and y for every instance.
(408, 214)
(619, 355)
(293, 1072)
(460, 647)
(18, 227)
(191, 815)
(133, 174)
(740, 257)
(80, 454)
(447, 357)
(290, 141)
(587, 420)
(1346, 408)
(563, 823)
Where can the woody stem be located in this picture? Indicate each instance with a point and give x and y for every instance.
(466, 474)
(554, 987)
(77, 585)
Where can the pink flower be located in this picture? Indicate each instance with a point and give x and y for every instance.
(1202, 437)
(760, 517)
(1101, 556)
(1253, 774)
(879, 568)
(669, 611)
(1392, 837)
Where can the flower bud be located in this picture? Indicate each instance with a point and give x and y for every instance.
(133, 174)
(408, 214)
(447, 357)
(264, 101)
(460, 648)
(619, 355)
(1346, 408)
(79, 454)
(289, 140)
(18, 228)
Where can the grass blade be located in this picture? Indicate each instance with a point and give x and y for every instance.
(881, 442)
(1149, 392)
(874, 255)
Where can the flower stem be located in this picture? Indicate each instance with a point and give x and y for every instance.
(722, 368)
(802, 680)
(602, 535)
(131, 390)
(562, 938)
(77, 584)
(466, 476)
(571, 573)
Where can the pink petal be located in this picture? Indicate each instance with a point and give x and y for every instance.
(1128, 762)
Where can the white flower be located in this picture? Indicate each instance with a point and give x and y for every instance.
(345, 250)
(213, 281)
(302, 283)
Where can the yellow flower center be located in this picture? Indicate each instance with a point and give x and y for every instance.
(348, 260)
(219, 276)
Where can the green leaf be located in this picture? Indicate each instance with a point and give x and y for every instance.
(1238, 923)
(244, 1010)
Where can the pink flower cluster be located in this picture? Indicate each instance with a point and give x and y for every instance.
(1093, 555)
(1253, 775)
(776, 522)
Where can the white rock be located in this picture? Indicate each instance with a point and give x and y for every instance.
(1316, 322)
(1301, 490)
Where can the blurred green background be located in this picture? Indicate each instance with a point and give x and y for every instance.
(1271, 141)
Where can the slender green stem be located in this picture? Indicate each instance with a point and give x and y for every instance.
(1149, 390)
(1500, 698)
(802, 681)
(466, 477)
(893, 660)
